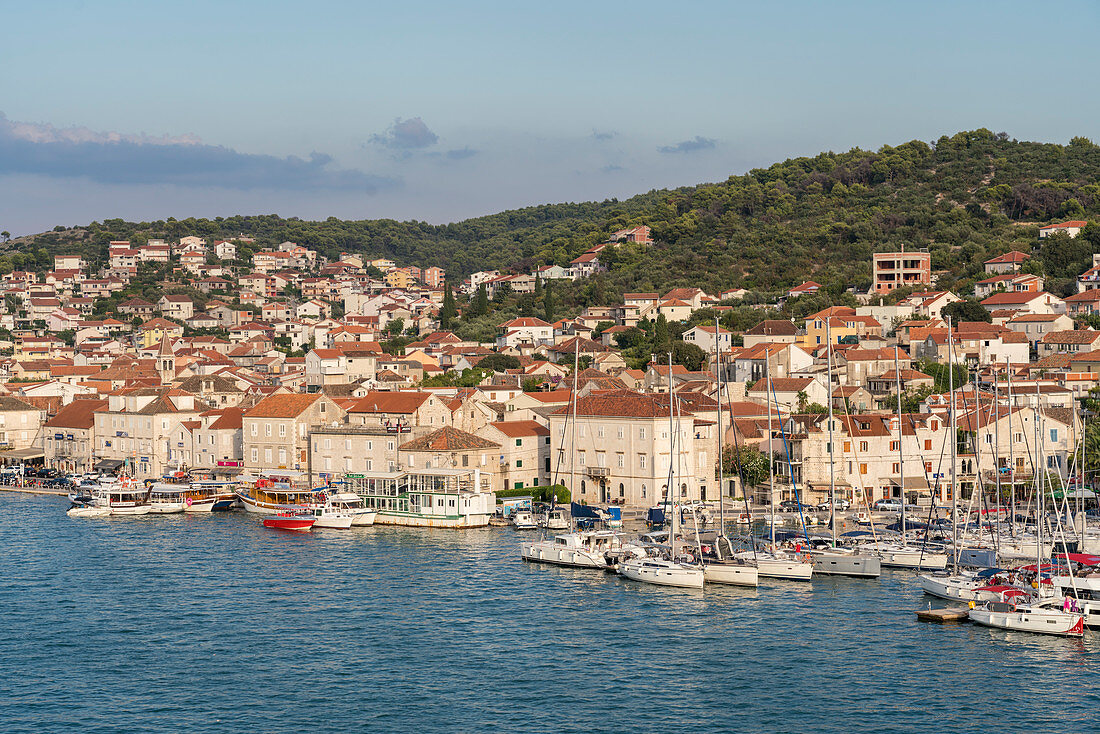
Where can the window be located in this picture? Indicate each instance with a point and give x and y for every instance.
(580, 458)
(519, 442)
(255, 429)
(641, 461)
(620, 460)
(580, 431)
(267, 429)
(599, 431)
(519, 463)
(928, 467)
(620, 432)
(1053, 434)
(370, 445)
(282, 457)
(896, 468)
(267, 456)
(412, 459)
(989, 438)
(582, 486)
(643, 491)
(322, 407)
(255, 456)
(347, 444)
(847, 447)
(370, 465)
(862, 468)
(328, 444)
(1017, 438)
(282, 430)
(927, 444)
(622, 490)
(641, 433)
(895, 445)
(389, 445)
(862, 445)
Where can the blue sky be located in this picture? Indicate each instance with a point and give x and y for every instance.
(440, 111)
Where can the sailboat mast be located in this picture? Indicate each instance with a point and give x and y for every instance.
(1040, 483)
(829, 399)
(997, 454)
(901, 438)
(573, 438)
(671, 474)
(954, 446)
(1011, 457)
(721, 478)
(771, 454)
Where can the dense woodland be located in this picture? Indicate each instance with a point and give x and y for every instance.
(966, 198)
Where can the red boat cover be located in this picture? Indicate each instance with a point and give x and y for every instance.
(1086, 559)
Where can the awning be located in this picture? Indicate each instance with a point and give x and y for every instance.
(108, 464)
(226, 471)
(917, 482)
(22, 454)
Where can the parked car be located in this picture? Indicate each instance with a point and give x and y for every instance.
(840, 503)
(790, 506)
(887, 505)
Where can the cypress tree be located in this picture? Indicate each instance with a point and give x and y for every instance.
(482, 300)
(448, 311)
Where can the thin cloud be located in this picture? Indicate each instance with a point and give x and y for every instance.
(460, 154)
(603, 134)
(612, 168)
(119, 158)
(410, 134)
(689, 146)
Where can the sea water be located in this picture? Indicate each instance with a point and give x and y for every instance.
(209, 623)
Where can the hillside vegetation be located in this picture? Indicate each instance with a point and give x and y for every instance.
(965, 198)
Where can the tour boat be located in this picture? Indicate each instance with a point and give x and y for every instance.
(662, 572)
(124, 498)
(266, 499)
(289, 520)
(1046, 618)
(430, 498)
(209, 496)
(585, 549)
(167, 499)
(524, 520)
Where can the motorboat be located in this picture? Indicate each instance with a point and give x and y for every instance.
(88, 510)
(334, 518)
(662, 572)
(966, 586)
(290, 520)
(524, 520)
(362, 516)
(554, 519)
(124, 498)
(1045, 618)
(583, 549)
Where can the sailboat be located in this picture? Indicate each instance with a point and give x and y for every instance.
(597, 548)
(903, 554)
(1039, 616)
(835, 560)
(674, 570)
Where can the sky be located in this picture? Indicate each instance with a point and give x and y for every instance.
(439, 111)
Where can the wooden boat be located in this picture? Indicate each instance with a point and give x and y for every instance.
(209, 496)
(266, 498)
(289, 520)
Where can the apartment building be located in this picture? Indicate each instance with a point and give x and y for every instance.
(891, 270)
(276, 430)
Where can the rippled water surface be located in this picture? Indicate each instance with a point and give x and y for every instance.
(212, 623)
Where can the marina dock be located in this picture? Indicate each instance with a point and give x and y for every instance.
(943, 616)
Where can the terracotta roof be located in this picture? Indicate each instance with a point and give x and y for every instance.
(1064, 225)
(1013, 256)
(282, 406)
(230, 419)
(448, 439)
(620, 404)
(518, 429)
(773, 327)
(1071, 337)
(783, 384)
(77, 414)
(390, 402)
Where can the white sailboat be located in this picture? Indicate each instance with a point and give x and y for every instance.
(1048, 616)
(667, 571)
(838, 561)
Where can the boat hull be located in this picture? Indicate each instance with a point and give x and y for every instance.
(1037, 621)
(546, 552)
(166, 508)
(779, 568)
(131, 510)
(911, 559)
(333, 522)
(731, 574)
(88, 511)
(363, 519)
(684, 577)
(845, 564)
(411, 520)
(298, 524)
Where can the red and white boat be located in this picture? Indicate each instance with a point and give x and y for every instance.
(289, 521)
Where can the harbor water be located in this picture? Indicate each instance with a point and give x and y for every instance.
(207, 623)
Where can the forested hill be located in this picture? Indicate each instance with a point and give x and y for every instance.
(965, 197)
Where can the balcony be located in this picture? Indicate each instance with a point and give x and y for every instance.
(598, 471)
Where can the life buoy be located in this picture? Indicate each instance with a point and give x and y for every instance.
(187, 502)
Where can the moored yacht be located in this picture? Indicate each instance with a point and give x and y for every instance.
(584, 549)
(662, 572)
(1045, 618)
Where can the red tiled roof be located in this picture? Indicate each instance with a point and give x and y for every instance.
(448, 439)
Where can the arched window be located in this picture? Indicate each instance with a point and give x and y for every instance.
(622, 490)
(683, 490)
(643, 491)
(582, 486)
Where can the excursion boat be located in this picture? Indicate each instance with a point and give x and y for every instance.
(267, 498)
(124, 498)
(432, 498)
(167, 499)
(584, 549)
(209, 496)
(1045, 618)
(289, 520)
(662, 572)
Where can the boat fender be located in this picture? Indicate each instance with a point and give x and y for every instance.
(187, 502)
(972, 605)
